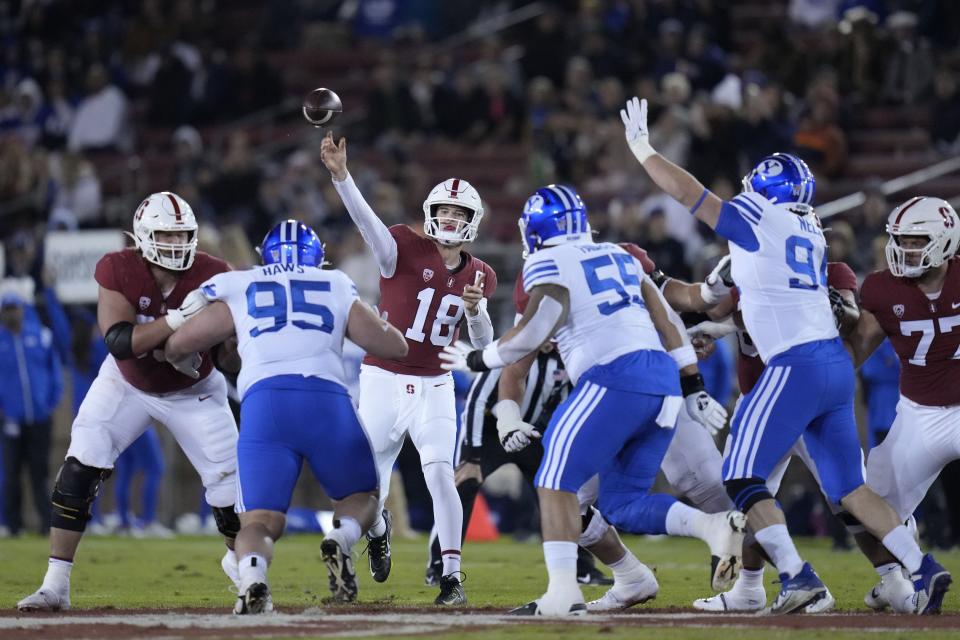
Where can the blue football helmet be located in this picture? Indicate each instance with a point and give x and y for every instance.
(554, 214)
(292, 243)
(782, 178)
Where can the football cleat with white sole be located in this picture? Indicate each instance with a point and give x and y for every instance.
(343, 579)
(803, 593)
(931, 584)
(737, 599)
(623, 596)
(44, 599)
(533, 609)
(726, 548)
(255, 600)
(894, 590)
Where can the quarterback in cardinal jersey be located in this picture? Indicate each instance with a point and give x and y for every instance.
(428, 286)
(146, 293)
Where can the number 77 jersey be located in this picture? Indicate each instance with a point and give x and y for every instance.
(779, 262)
(290, 320)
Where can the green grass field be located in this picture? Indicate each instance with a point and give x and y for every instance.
(125, 573)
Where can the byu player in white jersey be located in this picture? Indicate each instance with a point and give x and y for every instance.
(807, 387)
(290, 318)
(611, 326)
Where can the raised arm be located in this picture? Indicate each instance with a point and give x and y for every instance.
(374, 232)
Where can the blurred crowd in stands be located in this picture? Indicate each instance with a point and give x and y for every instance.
(102, 102)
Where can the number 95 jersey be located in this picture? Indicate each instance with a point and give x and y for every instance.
(779, 262)
(607, 317)
(290, 320)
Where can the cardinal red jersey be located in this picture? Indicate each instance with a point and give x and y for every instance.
(129, 274)
(749, 365)
(521, 297)
(422, 300)
(925, 333)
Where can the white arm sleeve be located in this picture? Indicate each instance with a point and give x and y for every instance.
(480, 327)
(374, 232)
(535, 333)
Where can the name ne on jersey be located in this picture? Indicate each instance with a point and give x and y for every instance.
(274, 269)
(806, 226)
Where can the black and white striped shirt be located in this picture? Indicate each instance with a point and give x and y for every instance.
(546, 377)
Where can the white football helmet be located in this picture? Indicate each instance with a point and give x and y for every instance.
(932, 218)
(165, 211)
(459, 193)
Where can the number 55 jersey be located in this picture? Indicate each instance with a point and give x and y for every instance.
(290, 320)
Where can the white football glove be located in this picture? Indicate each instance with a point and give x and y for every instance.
(635, 127)
(707, 411)
(514, 434)
(454, 356)
(718, 284)
(714, 330)
(189, 365)
(193, 304)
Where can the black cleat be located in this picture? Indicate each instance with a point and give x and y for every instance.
(593, 576)
(451, 592)
(533, 609)
(343, 579)
(378, 551)
(254, 601)
(433, 575)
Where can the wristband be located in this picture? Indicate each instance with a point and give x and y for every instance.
(691, 384)
(703, 196)
(684, 356)
(490, 356)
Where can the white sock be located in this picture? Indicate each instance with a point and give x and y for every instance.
(888, 568)
(749, 579)
(561, 560)
(347, 534)
(379, 527)
(627, 569)
(687, 521)
(776, 541)
(253, 569)
(904, 548)
(447, 512)
(57, 577)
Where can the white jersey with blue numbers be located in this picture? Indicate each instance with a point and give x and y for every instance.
(779, 262)
(290, 320)
(607, 317)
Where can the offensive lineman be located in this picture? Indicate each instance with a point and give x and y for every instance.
(611, 327)
(146, 293)
(806, 390)
(290, 318)
(426, 287)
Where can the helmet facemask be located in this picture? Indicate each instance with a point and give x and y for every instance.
(176, 256)
(463, 229)
(929, 256)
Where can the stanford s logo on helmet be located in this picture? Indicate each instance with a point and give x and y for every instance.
(291, 243)
(460, 193)
(552, 215)
(782, 178)
(165, 212)
(923, 217)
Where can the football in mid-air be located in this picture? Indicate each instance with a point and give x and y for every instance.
(321, 107)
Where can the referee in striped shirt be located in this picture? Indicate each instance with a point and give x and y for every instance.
(481, 453)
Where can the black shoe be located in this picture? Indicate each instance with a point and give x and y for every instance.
(378, 551)
(451, 592)
(593, 576)
(434, 572)
(256, 600)
(533, 609)
(343, 579)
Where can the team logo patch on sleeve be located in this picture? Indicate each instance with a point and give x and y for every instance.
(898, 310)
(144, 302)
(427, 275)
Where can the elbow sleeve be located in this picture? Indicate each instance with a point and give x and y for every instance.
(119, 340)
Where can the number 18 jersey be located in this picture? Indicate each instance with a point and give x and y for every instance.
(290, 320)
(781, 271)
(607, 317)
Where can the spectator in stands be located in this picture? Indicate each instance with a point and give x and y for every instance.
(32, 384)
(76, 190)
(910, 65)
(56, 115)
(170, 91)
(820, 140)
(391, 110)
(666, 252)
(457, 104)
(813, 14)
(763, 126)
(233, 192)
(945, 117)
(842, 244)
(502, 110)
(100, 121)
(861, 61)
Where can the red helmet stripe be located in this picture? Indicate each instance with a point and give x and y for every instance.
(176, 207)
(915, 200)
(455, 188)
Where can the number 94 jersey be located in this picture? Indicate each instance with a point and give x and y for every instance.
(290, 320)
(607, 317)
(779, 262)
(423, 300)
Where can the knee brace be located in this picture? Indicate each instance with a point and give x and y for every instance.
(592, 528)
(74, 491)
(228, 522)
(746, 492)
